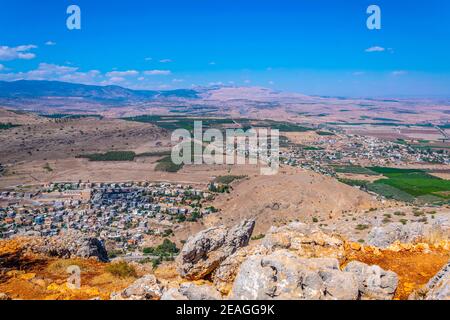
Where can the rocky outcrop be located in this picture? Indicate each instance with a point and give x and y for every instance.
(374, 282)
(68, 245)
(145, 288)
(305, 240)
(223, 277)
(438, 288)
(199, 292)
(4, 297)
(173, 294)
(92, 247)
(283, 275)
(410, 233)
(204, 252)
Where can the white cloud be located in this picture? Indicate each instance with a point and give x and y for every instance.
(116, 79)
(50, 43)
(178, 80)
(148, 59)
(20, 52)
(399, 72)
(2, 67)
(212, 63)
(165, 60)
(129, 73)
(157, 72)
(375, 49)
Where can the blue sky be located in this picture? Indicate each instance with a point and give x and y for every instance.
(308, 46)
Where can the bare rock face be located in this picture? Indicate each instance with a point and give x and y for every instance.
(145, 288)
(413, 232)
(173, 294)
(204, 252)
(92, 247)
(69, 245)
(283, 275)
(438, 288)
(4, 297)
(223, 277)
(374, 282)
(305, 241)
(199, 292)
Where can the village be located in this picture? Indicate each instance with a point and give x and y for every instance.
(120, 213)
(353, 150)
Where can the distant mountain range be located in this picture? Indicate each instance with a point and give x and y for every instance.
(31, 89)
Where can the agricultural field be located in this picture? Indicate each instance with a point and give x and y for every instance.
(408, 185)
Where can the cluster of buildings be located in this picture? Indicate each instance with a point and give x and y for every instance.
(321, 154)
(120, 213)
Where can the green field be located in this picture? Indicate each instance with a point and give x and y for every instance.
(6, 126)
(355, 170)
(110, 156)
(173, 122)
(409, 185)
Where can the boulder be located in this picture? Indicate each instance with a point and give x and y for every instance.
(204, 252)
(4, 296)
(92, 247)
(414, 232)
(374, 282)
(145, 288)
(199, 292)
(173, 294)
(438, 288)
(283, 275)
(305, 240)
(69, 244)
(223, 277)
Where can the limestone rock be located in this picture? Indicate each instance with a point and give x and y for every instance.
(69, 244)
(410, 233)
(223, 277)
(283, 275)
(4, 296)
(93, 247)
(374, 282)
(204, 252)
(305, 240)
(173, 294)
(199, 292)
(438, 288)
(145, 288)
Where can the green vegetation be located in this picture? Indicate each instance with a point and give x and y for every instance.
(228, 179)
(355, 170)
(121, 270)
(408, 185)
(414, 182)
(258, 237)
(166, 165)
(163, 252)
(362, 227)
(173, 122)
(325, 133)
(71, 116)
(111, 156)
(6, 126)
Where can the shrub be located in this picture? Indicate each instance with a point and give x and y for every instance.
(121, 270)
